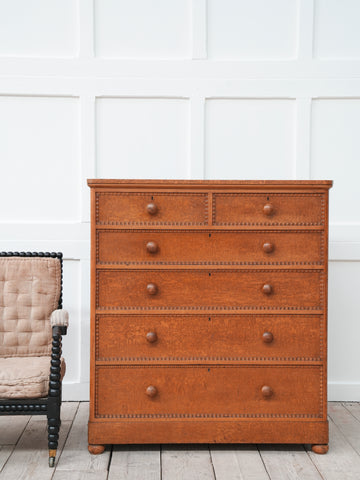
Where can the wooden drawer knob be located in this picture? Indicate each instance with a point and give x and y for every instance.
(268, 247)
(267, 289)
(152, 247)
(267, 337)
(151, 391)
(152, 289)
(268, 209)
(266, 391)
(151, 208)
(151, 337)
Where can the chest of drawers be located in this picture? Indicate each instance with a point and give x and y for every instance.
(208, 312)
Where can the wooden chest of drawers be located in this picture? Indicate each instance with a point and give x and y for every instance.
(208, 312)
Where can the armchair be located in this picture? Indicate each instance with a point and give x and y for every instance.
(32, 323)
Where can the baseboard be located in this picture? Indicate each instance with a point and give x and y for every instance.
(75, 391)
(343, 392)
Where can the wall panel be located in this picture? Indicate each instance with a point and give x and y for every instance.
(142, 136)
(39, 153)
(256, 29)
(142, 29)
(38, 28)
(343, 330)
(249, 138)
(336, 29)
(335, 153)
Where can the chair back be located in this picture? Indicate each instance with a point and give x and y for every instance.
(30, 290)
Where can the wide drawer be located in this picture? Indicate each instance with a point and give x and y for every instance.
(272, 209)
(137, 208)
(181, 247)
(204, 338)
(210, 289)
(208, 391)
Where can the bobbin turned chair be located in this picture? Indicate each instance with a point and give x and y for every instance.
(32, 323)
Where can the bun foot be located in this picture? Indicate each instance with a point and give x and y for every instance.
(96, 449)
(320, 449)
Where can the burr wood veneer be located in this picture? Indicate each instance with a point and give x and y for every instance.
(208, 312)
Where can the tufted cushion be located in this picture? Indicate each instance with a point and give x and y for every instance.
(25, 377)
(29, 292)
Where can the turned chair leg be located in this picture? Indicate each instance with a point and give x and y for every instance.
(53, 438)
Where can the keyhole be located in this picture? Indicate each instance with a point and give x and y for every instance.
(267, 198)
(209, 274)
(152, 198)
(209, 235)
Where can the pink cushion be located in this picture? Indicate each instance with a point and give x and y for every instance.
(29, 293)
(25, 377)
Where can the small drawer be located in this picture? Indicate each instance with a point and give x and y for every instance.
(204, 338)
(210, 289)
(141, 208)
(208, 391)
(196, 248)
(283, 209)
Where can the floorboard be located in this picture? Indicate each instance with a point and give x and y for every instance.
(17, 424)
(140, 462)
(29, 459)
(237, 462)
(289, 462)
(184, 462)
(341, 462)
(5, 452)
(347, 424)
(75, 456)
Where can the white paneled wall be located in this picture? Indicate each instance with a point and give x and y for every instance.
(262, 89)
(126, 135)
(232, 127)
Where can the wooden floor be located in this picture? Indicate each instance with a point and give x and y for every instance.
(23, 454)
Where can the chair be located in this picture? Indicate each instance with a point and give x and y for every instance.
(32, 323)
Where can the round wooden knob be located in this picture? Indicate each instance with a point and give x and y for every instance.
(267, 289)
(151, 208)
(268, 209)
(268, 247)
(266, 391)
(152, 247)
(152, 289)
(151, 391)
(267, 337)
(151, 337)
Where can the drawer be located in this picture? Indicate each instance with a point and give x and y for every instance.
(124, 208)
(178, 247)
(269, 209)
(210, 289)
(208, 391)
(204, 338)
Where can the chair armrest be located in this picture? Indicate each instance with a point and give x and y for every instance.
(60, 318)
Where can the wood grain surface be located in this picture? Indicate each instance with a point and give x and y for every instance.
(209, 312)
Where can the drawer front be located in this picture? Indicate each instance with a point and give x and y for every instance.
(204, 338)
(176, 247)
(208, 391)
(122, 208)
(210, 289)
(272, 209)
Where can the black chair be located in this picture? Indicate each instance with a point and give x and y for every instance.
(32, 323)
